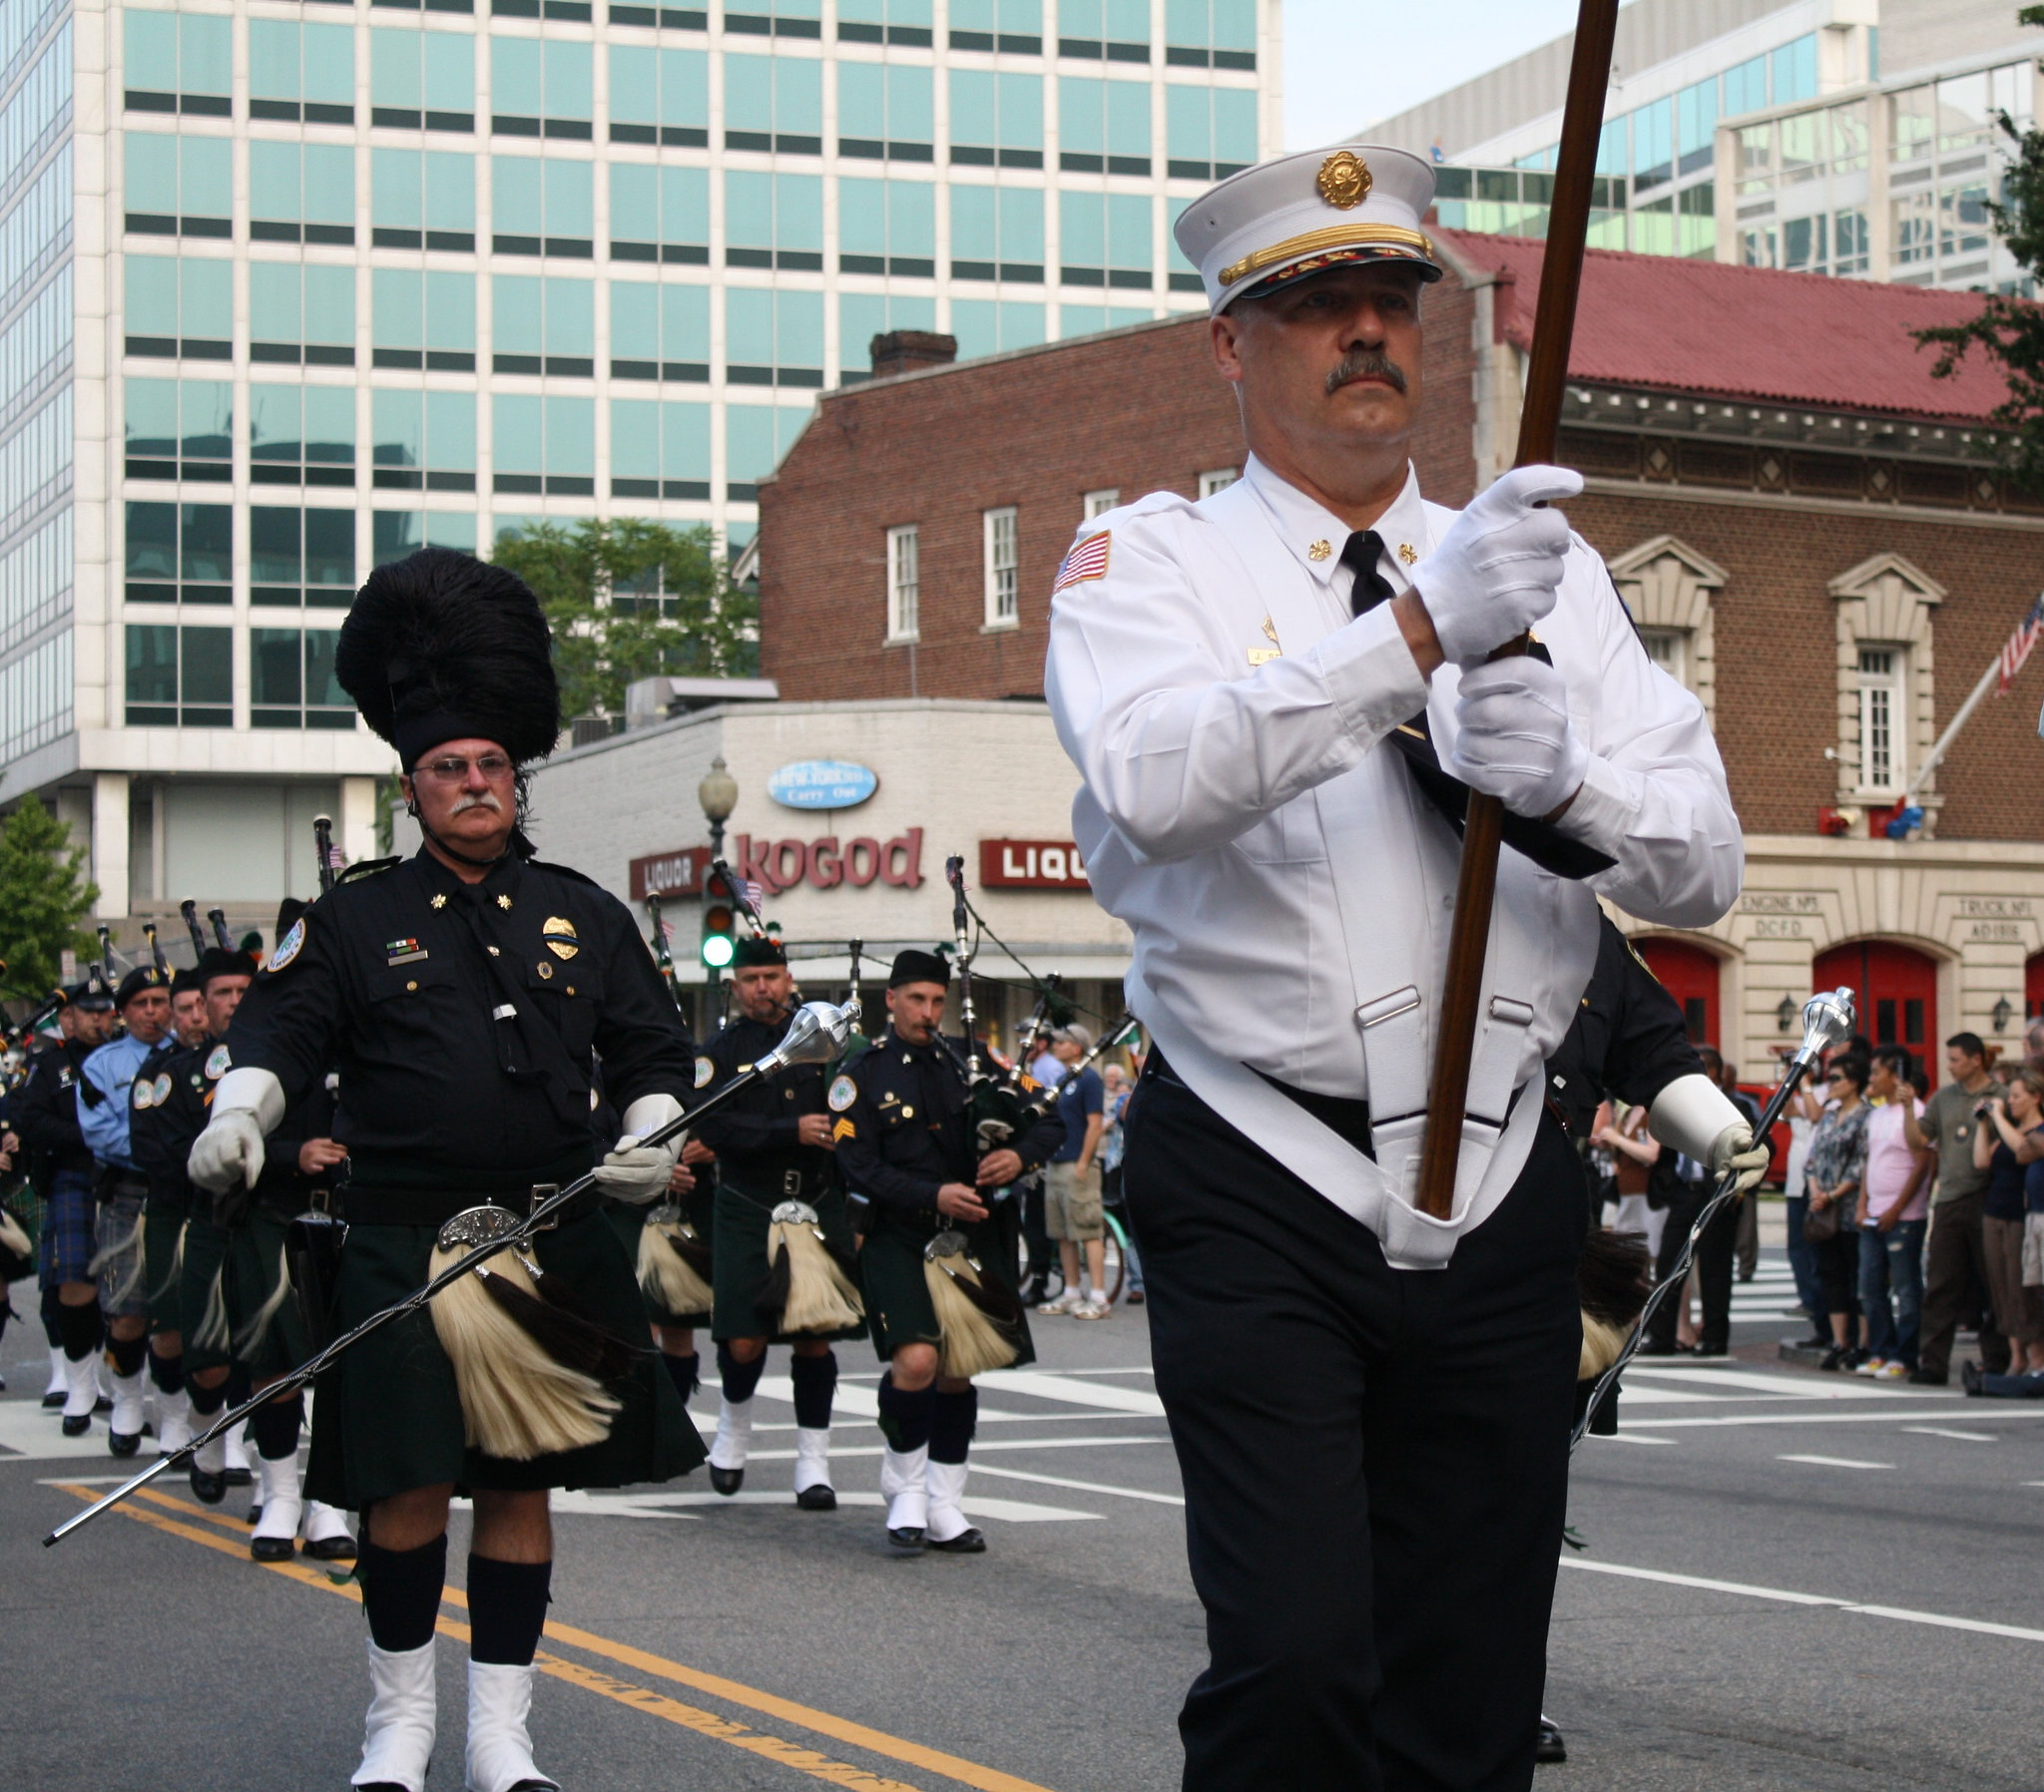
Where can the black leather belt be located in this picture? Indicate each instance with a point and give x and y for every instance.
(436, 1207)
(116, 1184)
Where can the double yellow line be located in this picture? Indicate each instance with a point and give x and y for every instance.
(175, 1518)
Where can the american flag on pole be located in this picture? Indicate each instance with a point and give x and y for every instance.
(754, 895)
(2018, 647)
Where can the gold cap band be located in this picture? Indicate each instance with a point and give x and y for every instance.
(1339, 236)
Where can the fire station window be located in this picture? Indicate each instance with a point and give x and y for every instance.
(904, 583)
(1218, 480)
(1668, 649)
(1003, 609)
(1880, 719)
(1098, 504)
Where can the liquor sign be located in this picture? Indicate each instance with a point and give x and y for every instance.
(823, 784)
(678, 873)
(1031, 865)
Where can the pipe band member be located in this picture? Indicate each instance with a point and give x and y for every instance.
(908, 1140)
(460, 995)
(1277, 698)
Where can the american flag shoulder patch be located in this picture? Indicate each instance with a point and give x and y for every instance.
(1087, 560)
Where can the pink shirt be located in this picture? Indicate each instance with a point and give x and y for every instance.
(1890, 1163)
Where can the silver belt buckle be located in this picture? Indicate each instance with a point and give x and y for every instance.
(791, 1182)
(543, 1192)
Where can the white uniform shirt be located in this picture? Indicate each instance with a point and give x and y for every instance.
(1280, 871)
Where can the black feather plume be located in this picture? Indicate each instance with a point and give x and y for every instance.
(993, 1299)
(568, 1337)
(770, 1299)
(693, 1249)
(1612, 1278)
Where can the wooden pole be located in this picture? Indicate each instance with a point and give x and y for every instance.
(1568, 228)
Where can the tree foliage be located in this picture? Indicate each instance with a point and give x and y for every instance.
(2009, 331)
(44, 894)
(631, 598)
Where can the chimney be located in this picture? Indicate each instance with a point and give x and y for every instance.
(907, 352)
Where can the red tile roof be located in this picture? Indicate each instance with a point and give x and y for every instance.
(1746, 333)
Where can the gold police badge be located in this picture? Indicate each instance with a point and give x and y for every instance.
(560, 935)
(1344, 179)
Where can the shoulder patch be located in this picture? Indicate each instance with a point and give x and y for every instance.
(706, 1073)
(843, 1091)
(354, 874)
(162, 1090)
(143, 1096)
(1087, 560)
(218, 1064)
(288, 947)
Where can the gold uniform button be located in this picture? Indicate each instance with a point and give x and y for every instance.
(571, 988)
(411, 986)
(545, 970)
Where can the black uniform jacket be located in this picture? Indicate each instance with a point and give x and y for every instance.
(163, 1135)
(150, 1142)
(44, 1112)
(906, 1127)
(1628, 1039)
(755, 1136)
(462, 1019)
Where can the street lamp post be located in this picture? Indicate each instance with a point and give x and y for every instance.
(718, 795)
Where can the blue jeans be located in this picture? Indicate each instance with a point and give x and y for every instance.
(1891, 1288)
(1810, 1288)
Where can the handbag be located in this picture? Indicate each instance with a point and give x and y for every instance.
(1821, 1223)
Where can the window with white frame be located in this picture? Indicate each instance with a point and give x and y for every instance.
(1881, 732)
(1218, 480)
(1098, 504)
(1668, 649)
(905, 585)
(1003, 609)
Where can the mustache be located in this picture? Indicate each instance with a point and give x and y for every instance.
(1367, 364)
(488, 799)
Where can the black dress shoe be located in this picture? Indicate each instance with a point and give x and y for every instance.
(1929, 1378)
(208, 1489)
(1549, 1750)
(271, 1549)
(53, 1400)
(1712, 1350)
(102, 1405)
(1969, 1378)
(906, 1538)
(1135, 1297)
(820, 1498)
(331, 1548)
(77, 1425)
(255, 1515)
(968, 1541)
(119, 1443)
(1652, 1349)
(238, 1477)
(727, 1480)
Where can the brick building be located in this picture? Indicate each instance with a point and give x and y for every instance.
(1810, 529)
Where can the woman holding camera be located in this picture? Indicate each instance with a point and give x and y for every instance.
(2012, 1139)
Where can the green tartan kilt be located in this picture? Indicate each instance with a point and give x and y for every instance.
(247, 1260)
(203, 1294)
(163, 1226)
(739, 1260)
(898, 1307)
(387, 1417)
(628, 1220)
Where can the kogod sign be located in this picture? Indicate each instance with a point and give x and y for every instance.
(776, 865)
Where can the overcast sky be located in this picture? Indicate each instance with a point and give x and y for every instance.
(1349, 61)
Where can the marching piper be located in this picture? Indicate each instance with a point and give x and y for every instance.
(461, 994)
(774, 1174)
(908, 1140)
(1277, 699)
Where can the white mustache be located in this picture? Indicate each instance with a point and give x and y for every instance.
(487, 800)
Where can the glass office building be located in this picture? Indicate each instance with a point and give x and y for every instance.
(293, 287)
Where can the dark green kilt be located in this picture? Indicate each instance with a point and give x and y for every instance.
(248, 1260)
(163, 1224)
(387, 1418)
(206, 1250)
(898, 1308)
(628, 1220)
(739, 1259)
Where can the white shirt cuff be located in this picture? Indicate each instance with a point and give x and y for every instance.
(1371, 678)
(1605, 808)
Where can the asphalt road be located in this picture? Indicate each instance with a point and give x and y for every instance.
(1792, 1582)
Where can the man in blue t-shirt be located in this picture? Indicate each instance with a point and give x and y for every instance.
(1071, 1180)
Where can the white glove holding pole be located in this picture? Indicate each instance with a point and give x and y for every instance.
(246, 1103)
(639, 1173)
(1496, 571)
(1693, 1116)
(1513, 738)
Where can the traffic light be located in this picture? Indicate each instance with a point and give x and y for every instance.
(719, 924)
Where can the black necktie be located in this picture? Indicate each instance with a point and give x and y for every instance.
(1546, 845)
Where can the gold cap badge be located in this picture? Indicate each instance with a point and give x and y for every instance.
(1343, 179)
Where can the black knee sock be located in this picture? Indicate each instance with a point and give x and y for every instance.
(167, 1372)
(239, 1386)
(127, 1354)
(507, 1607)
(740, 1379)
(815, 1381)
(685, 1372)
(208, 1401)
(277, 1428)
(52, 1310)
(904, 1417)
(953, 1419)
(402, 1592)
(79, 1330)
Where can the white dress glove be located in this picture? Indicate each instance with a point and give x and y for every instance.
(1733, 1150)
(1495, 572)
(1695, 1116)
(639, 1173)
(1514, 741)
(246, 1103)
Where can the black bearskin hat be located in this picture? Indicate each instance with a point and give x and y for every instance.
(443, 646)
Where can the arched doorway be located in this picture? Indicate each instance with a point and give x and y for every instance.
(1691, 976)
(2033, 987)
(1895, 988)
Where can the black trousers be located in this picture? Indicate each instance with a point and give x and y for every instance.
(1955, 1286)
(1713, 1264)
(1375, 1463)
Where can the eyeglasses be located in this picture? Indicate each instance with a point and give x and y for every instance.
(494, 766)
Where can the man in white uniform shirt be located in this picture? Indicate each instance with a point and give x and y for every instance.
(1370, 1406)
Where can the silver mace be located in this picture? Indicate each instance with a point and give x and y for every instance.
(815, 1035)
